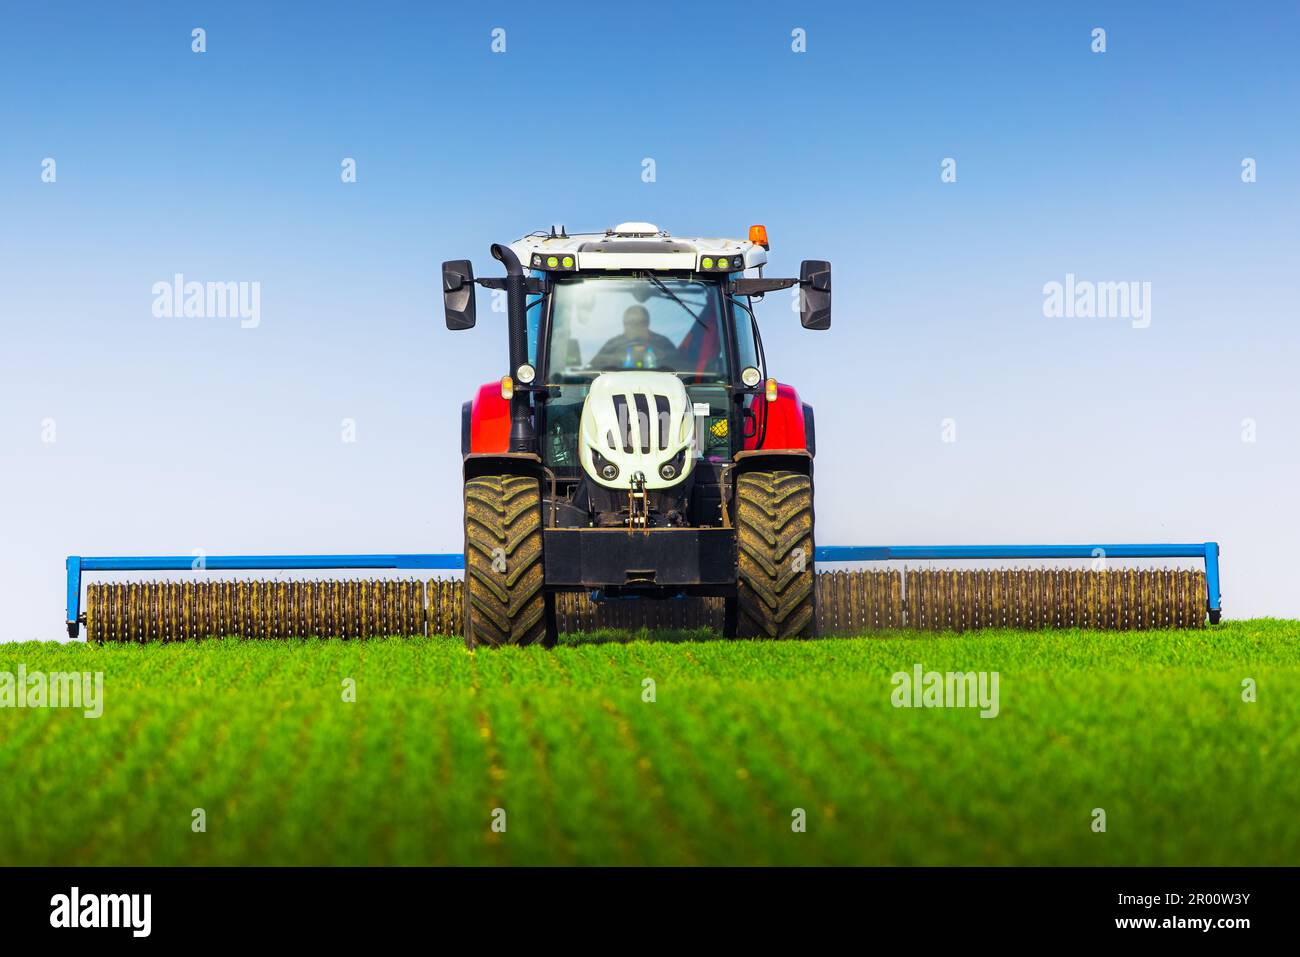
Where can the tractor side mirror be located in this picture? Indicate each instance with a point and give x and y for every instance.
(815, 294)
(458, 293)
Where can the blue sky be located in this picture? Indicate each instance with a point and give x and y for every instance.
(178, 434)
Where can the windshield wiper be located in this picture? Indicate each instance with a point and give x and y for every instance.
(673, 296)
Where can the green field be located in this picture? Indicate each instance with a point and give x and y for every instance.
(1149, 726)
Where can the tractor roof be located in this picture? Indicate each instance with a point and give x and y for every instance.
(633, 246)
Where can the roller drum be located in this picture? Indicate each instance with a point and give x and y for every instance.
(848, 603)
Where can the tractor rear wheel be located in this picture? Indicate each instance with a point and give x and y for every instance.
(505, 598)
(777, 593)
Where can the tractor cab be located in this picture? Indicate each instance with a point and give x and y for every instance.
(617, 327)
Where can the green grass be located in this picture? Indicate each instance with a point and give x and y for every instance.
(1149, 726)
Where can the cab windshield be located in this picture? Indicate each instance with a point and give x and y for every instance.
(616, 323)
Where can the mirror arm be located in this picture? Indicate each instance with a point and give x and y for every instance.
(754, 287)
(535, 286)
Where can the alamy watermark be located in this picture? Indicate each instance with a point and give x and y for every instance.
(132, 912)
(82, 690)
(952, 689)
(1085, 299)
(209, 300)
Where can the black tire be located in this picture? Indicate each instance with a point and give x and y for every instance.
(505, 601)
(776, 584)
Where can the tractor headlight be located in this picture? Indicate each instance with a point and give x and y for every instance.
(525, 373)
(604, 467)
(556, 261)
(673, 468)
(749, 375)
(722, 263)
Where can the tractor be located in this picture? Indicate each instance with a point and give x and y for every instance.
(636, 449)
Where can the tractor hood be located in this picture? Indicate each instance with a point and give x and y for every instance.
(637, 421)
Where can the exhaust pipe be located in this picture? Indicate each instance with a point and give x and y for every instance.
(523, 437)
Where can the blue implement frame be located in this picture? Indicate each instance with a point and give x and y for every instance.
(451, 561)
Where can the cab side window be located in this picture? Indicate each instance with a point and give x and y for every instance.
(746, 343)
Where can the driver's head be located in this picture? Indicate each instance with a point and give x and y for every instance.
(636, 322)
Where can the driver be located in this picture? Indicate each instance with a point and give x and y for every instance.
(637, 347)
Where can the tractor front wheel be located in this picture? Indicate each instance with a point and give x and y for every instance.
(776, 595)
(505, 599)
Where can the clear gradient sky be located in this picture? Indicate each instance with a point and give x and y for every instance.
(171, 435)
